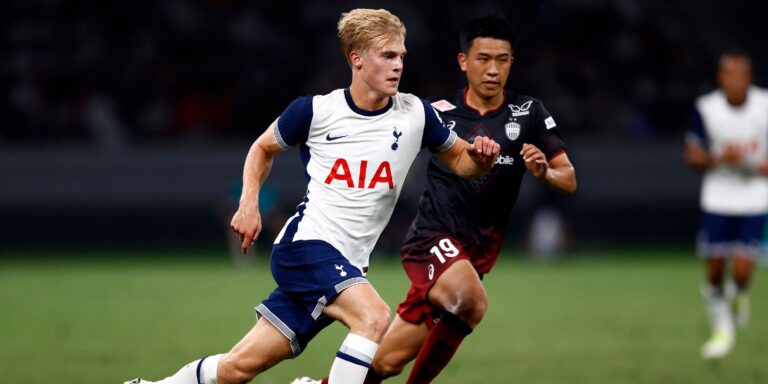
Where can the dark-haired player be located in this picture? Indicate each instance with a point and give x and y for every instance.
(458, 231)
(729, 142)
(357, 145)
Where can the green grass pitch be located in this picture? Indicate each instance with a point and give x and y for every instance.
(106, 318)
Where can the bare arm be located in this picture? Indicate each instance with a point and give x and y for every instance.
(247, 220)
(470, 161)
(697, 157)
(558, 173)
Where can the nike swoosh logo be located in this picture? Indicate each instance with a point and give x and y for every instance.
(329, 138)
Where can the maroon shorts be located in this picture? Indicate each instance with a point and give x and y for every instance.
(424, 261)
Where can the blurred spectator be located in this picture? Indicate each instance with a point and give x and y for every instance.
(121, 72)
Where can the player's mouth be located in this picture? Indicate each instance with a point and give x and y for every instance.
(491, 84)
(394, 80)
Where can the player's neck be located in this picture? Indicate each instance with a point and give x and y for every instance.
(366, 98)
(737, 100)
(481, 104)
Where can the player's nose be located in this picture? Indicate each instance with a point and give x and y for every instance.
(398, 67)
(492, 70)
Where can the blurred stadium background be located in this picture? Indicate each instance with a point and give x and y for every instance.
(124, 125)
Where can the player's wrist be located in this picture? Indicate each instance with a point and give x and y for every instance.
(249, 195)
(547, 176)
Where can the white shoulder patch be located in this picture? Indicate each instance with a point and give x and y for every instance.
(443, 105)
(549, 122)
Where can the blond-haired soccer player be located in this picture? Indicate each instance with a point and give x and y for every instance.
(729, 142)
(458, 231)
(357, 145)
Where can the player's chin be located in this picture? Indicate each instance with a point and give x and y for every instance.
(390, 87)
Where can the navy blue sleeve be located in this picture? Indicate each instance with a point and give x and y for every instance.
(696, 132)
(293, 124)
(436, 136)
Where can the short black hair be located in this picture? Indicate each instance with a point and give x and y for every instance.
(493, 26)
(735, 53)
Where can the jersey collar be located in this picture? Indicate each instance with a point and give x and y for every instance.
(464, 101)
(363, 112)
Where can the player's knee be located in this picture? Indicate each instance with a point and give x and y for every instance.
(372, 322)
(378, 320)
(238, 369)
(471, 307)
(741, 276)
(715, 272)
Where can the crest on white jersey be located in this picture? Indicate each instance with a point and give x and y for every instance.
(443, 105)
(512, 129)
(397, 135)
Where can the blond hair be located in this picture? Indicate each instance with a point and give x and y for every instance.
(360, 29)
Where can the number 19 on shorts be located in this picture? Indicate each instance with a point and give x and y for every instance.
(443, 249)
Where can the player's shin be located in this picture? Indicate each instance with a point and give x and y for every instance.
(199, 371)
(718, 308)
(438, 349)
(722, 339)
(352, 360)
(372, 377)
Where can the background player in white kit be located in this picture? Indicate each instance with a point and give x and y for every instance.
(729, 142)
(357, 145)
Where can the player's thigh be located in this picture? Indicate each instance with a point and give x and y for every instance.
(458, 285)
(715, 235)
(401, 344)
(362, 310)
(749, 239)
(427, 258)
(742, 265)
(261, 348)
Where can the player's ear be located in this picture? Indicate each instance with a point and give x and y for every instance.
(356, 60)
(462, 58)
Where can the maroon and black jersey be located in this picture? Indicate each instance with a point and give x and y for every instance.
(477, 212)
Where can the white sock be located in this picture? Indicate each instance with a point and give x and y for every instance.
(719, 311)
(206, 368)
(353, 360)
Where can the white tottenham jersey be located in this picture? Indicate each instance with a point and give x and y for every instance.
(356, 162)
(726, 189)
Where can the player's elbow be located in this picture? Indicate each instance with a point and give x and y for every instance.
(571, 187)
(562, 180)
